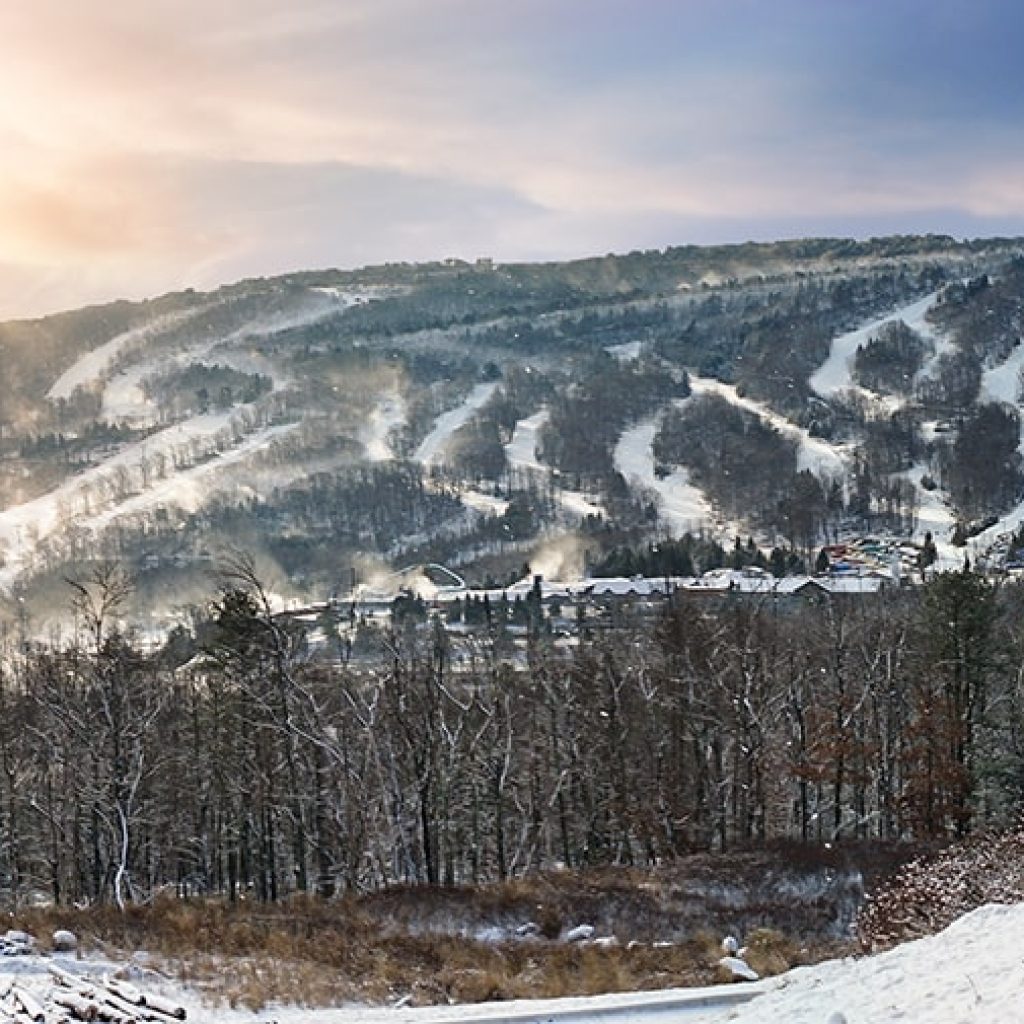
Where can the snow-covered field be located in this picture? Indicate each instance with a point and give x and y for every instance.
(971, 973)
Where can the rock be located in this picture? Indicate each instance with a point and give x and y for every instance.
(730, 944)
(64, 941)
(579, 933)
(739, 969)
(16, 943)
(528, 930)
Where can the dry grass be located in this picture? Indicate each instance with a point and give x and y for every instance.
(418, 942)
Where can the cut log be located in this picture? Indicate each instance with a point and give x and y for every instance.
(80, 1007)
(165, 1006)
(29, 1003)
(124, 990)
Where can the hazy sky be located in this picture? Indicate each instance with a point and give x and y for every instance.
(155, 144)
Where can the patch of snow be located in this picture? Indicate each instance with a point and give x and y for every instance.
(432, 447)
(483, 502)
(578, 504)
(626, 352)
(738, 968)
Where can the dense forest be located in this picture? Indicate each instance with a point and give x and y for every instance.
(230, 761)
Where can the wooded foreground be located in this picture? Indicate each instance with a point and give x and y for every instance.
(240, 766)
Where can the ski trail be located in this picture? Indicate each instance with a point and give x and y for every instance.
(188, 489)
(432, 447)
(134, 469)
(1002, 384)
(386, 415)
(835, 374)
(521, 454)
(91, 367)
(521, 451)
(681, 504)
(813, 453)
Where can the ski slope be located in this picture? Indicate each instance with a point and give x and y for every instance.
(95, 364)
(681, 505)
(521, 454)
(813, 453)
(387, 415)
(432, 447)
(1001, 383)
(125, 480)
(835, 375)
(521, 451)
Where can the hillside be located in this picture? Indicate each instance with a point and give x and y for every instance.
(341, 425)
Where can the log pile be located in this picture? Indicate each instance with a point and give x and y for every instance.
(69, 998)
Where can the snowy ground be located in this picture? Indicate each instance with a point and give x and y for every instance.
(971, 973)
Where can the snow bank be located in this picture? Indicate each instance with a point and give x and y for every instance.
(972, 973)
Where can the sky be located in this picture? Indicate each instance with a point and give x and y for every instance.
(151, 145)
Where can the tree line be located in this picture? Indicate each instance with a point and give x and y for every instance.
(232, 762)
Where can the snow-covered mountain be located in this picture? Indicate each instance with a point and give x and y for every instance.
(471, 414)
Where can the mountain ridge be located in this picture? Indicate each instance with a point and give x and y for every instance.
(338, 420)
